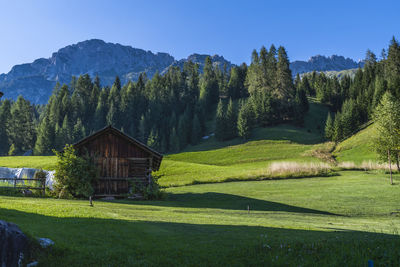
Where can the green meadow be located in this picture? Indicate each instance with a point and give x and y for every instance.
(224, 206)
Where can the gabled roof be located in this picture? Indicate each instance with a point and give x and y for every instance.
(111, 129)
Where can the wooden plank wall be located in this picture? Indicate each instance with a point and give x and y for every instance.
(114, 157)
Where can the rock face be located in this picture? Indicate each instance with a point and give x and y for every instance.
(217, 61)
(13, 244)
(35, 81)
(322, 63)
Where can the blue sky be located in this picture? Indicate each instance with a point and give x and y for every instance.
(33, 29)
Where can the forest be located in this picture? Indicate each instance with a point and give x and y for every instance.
(167, 112)
(170, 111)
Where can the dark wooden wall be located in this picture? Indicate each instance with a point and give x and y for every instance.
(118, 161)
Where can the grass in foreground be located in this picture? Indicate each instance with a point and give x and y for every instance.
(345, 219)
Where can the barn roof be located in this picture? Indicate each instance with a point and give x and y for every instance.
(108, 129)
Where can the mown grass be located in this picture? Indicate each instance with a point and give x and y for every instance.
(357, 148)
(341, 220)
(36, 162)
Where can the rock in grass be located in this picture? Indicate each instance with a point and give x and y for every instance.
(13, 244)
(45, 242)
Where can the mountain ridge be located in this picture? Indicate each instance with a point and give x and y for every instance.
(36, 80)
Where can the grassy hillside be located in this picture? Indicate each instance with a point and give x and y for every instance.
(338, 220)
(357, 148)
(213, 161)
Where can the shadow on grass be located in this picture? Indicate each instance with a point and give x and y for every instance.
(213, 200)
(282, 132)
(112, 242)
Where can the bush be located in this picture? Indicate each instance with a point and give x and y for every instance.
(74, 175)
(149, 192)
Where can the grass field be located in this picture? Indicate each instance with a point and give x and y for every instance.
(343, 219)
(36, 162)
(339, 220)
(357, 148)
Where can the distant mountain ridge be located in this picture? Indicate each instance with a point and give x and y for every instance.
(323, 63)
(35, 81)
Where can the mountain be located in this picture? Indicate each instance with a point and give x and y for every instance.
(218, 61)
(322, 63)
(36, 80)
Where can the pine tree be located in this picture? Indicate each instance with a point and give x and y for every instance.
(174, 141)
(21, 129)
(244, 123)
(231, 121)
(196, 131)
(220, 122)
(285, 88)
(337, 128)
(329, 127)
(209, 91)
(182, 132)
(153, 140)
(45, 138)
(5, 114)
(143, 129)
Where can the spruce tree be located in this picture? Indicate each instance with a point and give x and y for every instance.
(45, 138)
(209, 91)
(174, 141)
(220, 122)
(196, 131)
(5, 114)
(182, 132)
(329, 127)
(244, 123)
(231, 121)
(153, 140)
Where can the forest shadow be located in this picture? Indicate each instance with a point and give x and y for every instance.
(87, 241)
(214, 200)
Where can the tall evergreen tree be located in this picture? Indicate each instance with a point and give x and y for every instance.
(5, 114)
(244, 123)
(45, 138)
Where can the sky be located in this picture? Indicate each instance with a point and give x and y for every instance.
(35, 29)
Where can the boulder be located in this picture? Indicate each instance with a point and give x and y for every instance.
(13, 244)
(45, 242)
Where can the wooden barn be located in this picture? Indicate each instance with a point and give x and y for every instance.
(121, 159)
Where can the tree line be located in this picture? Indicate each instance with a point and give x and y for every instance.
(167, 112)
(353, 101)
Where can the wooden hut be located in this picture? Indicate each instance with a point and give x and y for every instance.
(121, 159)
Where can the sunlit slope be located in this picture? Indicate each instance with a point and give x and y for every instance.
(357, 148)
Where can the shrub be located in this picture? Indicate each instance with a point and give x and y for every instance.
(74, 175)
(149, 192)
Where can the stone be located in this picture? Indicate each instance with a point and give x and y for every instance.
(13, 244)
(45, 242)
